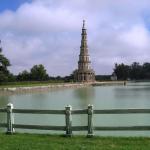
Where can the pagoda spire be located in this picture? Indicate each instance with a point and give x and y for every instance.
(84, 47)
(83, 24)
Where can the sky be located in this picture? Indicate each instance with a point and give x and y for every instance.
(48, 32)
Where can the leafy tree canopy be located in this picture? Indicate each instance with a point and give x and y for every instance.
(4, 63)
(135, 71)
(38, 73)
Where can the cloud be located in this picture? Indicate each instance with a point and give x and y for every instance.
(137, 37)
(48, 32)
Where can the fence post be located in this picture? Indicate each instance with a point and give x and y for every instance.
(90, 121)
(10, 119)
(68, 121)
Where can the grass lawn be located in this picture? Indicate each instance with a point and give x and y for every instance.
(56, 142)
(29, 83)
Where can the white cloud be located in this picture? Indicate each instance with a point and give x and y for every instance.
(48, 32)
(137, 37)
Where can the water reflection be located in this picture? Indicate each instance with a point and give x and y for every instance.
(85, 95)
(4, 100)
(131, 92)
(132, 96)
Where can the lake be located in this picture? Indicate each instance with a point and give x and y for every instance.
(133, 95)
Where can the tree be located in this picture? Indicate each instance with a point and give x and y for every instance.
(69, 78)
(24, 76)
(4, 63)
(146, 70)
(38, 73)
(136, 71)
(122, 71)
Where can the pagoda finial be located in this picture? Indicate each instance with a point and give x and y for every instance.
(83, 24)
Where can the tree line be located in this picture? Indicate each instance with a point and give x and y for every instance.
(39, 73)
(135, 71)
(36, 73)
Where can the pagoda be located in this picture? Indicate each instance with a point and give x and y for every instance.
(84, 73)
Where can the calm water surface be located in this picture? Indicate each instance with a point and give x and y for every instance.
(133, 95)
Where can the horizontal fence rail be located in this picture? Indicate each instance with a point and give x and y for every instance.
(39, 127)
(122, 111)
(83, 111)
(3, 110)
(123, 128)
(33, 111)
(68, 112)
(3, 124)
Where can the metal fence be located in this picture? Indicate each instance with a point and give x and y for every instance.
(68, 112)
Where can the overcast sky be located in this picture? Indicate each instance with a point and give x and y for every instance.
(48, 32)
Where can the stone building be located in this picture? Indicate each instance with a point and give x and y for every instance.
(113, 77)
(84, 73)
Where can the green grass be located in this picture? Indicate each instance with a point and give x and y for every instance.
(28, 83)
(56, 142)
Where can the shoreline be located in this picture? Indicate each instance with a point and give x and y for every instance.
(109, 83)
(58, 86)
(41, 88)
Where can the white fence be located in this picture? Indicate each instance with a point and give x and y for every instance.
(68, 112)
